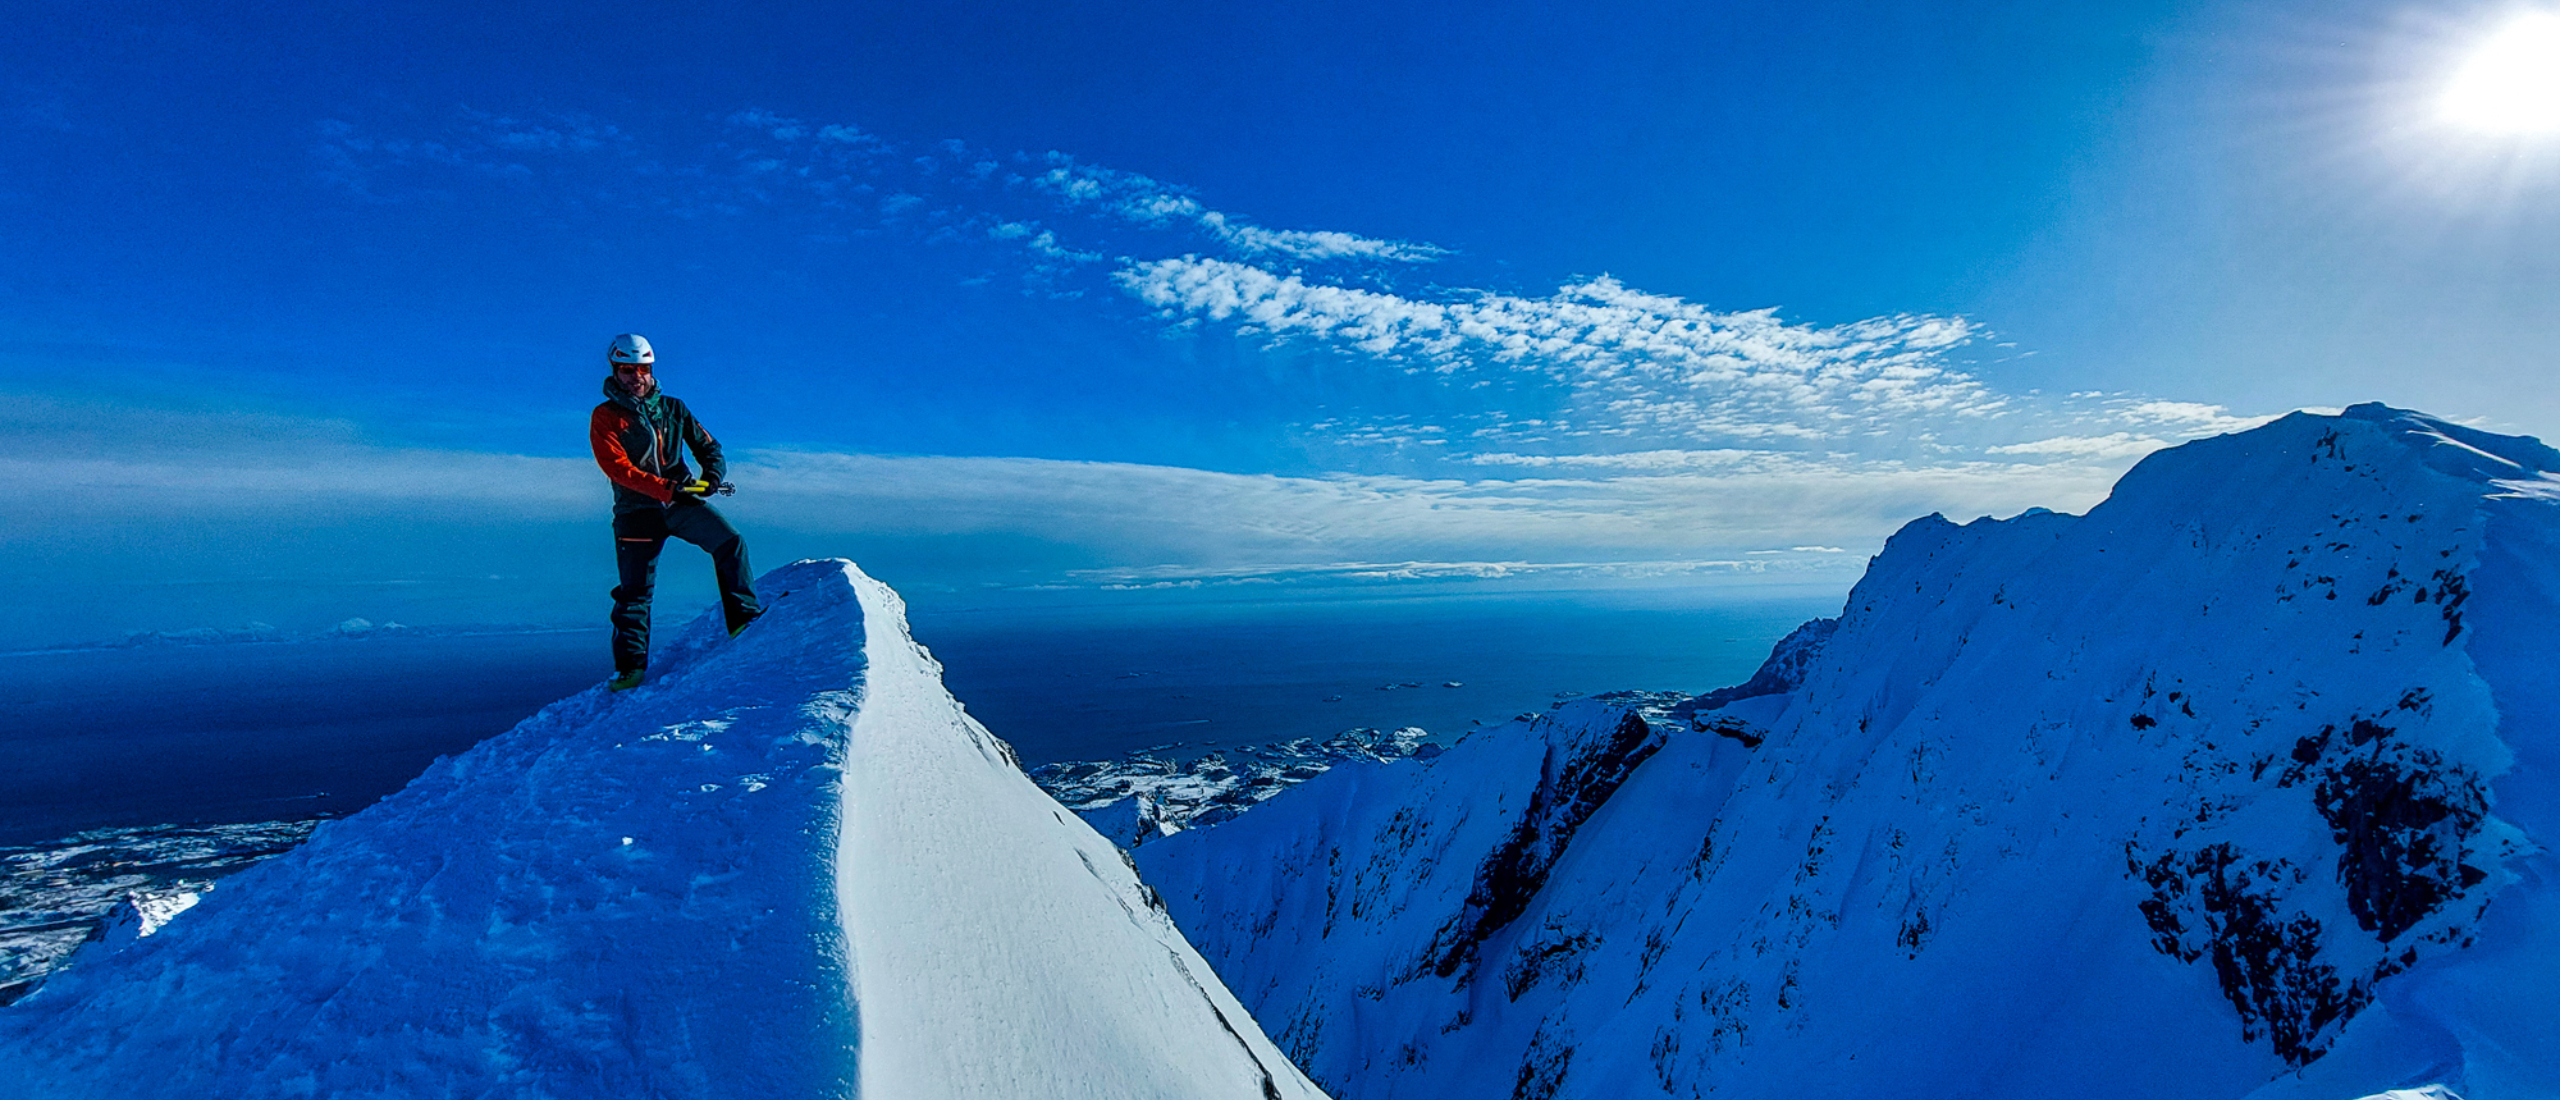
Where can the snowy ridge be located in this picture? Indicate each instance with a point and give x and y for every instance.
(1005, 949)
(723, 883)
(2240, 785)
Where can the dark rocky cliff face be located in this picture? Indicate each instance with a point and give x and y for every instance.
(1782, 672)
(1580, 774)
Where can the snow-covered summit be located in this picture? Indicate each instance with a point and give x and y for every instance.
(2242, 784)
(787, 866)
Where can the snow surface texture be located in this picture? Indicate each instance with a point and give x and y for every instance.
(2239, 785)
(787, 866)
(1002, 947)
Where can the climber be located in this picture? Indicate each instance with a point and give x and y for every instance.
(638, 433)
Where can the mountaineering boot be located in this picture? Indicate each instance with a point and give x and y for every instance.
(736, 627)
(624, 680)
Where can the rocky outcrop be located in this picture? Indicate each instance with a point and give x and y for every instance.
(1782, 672)
(1584, 764)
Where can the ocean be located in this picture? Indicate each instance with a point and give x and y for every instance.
(1097, 683)
(245, 732)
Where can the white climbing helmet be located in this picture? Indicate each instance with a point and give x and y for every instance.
(631, 347)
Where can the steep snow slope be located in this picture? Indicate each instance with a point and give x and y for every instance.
(788, 866)
(1003, 948)
(2238, 785)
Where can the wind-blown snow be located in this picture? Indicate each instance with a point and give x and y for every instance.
(787, 866)
(2240, 785)
(1004, 948)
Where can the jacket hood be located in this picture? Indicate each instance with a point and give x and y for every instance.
(620, 394)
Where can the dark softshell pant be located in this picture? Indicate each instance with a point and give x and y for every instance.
(638, 535)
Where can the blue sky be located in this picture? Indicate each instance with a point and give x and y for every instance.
(303, 308)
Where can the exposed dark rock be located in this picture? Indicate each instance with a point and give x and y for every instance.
(2402, 833)
(1579, 774)
(1914, 934)
(2214, 902)
(1542, 1069)
(1725, 725)
(1782, 672)
(2452, 589)
(2405, 823)
(1557, 955)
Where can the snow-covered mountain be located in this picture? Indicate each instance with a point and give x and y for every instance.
(2239, 785)
(788, 866)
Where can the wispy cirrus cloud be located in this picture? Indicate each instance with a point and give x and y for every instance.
(764, 161)
(1596, 367)
(1637, 364)
(1598, 415)
(1143, 201)
(1659, 461)
(380, 167)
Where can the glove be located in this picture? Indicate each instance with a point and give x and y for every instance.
(696, 488)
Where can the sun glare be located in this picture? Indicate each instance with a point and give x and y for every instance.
(2511, 83)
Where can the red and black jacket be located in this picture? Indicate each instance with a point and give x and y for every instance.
(643, 453)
